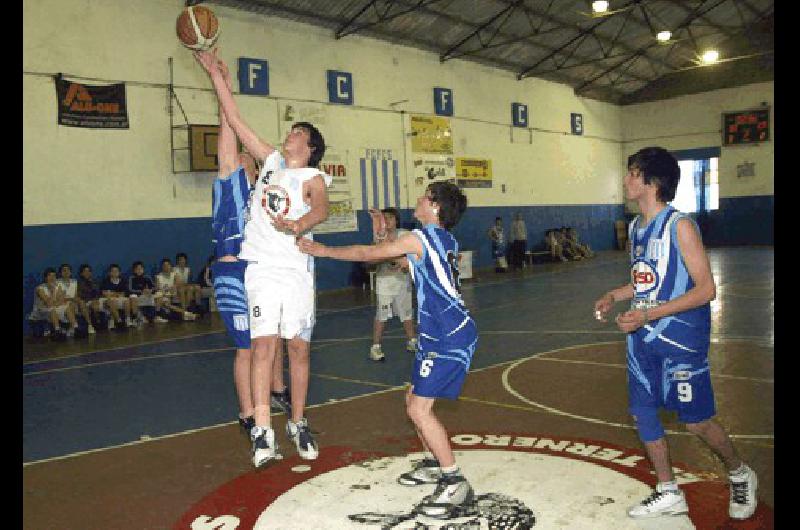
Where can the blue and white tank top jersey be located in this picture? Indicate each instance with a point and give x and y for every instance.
(442, 318)
(658, 273)
(230, 197)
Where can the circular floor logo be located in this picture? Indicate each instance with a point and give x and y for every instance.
(520, 481)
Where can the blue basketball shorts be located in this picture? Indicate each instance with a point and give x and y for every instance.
(231, 300)
(675, 381)
(440, 372)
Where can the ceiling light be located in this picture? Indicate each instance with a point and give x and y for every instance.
(600, 6)
(663, 36)
(710, 56)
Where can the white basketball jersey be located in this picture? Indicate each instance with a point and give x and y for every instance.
(70, 286)
(278, 191)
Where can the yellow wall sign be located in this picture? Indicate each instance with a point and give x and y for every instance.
(431, 134)
(473, 172)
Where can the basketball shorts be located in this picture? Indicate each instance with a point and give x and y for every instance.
(45, 312)
(229, 293)
(144, 300)
(671, 380)
(440, 373)
(281, 301)
(398, 305)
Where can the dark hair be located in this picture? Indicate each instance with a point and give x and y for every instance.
(47, 271)
(393, 212)
(315, 141)
(83, 267)
(211, 259)
(498, 218)
(451, 201)
(137, 263)
(67, 265)
(658, 167)
(164, 260)
(181, 255)
(113, 265)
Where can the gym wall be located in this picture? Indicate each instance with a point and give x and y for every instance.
(746, 206)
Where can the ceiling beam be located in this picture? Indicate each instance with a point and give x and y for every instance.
(345, 29)
(508, 11)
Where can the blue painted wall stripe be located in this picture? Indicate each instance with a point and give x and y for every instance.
(364, 200)
(396, 177)
(385, 171)
(374, 165)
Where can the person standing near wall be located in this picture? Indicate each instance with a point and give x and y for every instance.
(393, 287)
(519, 241)
(289, 200)
(669, 333)
(498, 239)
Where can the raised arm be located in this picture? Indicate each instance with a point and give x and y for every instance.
(226, 146)
(220, 78)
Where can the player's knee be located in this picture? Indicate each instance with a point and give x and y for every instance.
(648, 425)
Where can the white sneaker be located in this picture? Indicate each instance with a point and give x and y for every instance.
(452, 495)
(264, 446)
(91, 330)
(300, 435)
(743, 494)
(70, 332)
(129, 322)
(160, 320)
(376, 354)
(110, 323)
(660, 502)
(187, 315)
(411, 346)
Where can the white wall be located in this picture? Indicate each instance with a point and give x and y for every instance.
(79, 175)
(695, 121)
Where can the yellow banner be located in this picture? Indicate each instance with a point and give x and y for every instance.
(431, 134)
(473, 172)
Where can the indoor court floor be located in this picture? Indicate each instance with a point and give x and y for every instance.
(137, 430)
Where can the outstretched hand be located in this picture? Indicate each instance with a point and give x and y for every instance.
(310, 247)
(602, 307)
(207, 59)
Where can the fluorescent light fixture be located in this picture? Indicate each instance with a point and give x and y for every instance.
(600, 6)
(710, 56)
(663, 36)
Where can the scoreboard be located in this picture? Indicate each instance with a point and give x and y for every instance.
(745, 127)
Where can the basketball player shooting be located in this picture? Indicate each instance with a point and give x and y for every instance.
(288, 201)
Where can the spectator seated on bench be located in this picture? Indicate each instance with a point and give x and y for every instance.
(51, 306)
(205, 279)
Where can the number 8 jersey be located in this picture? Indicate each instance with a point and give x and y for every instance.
(443, 322)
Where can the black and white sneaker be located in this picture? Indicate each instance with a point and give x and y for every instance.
(300, 435)
(743, 501)
(282, 401)
(452, 495)
(425, 472)
(264, 446)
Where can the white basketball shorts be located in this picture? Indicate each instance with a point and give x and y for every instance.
(398, 305)
(281, 301)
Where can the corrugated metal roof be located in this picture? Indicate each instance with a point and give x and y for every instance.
(610, 57)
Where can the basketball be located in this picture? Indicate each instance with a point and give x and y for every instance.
(197, 28)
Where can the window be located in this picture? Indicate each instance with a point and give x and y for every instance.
(699, 185)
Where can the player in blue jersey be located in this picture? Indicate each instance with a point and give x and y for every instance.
(447, 336)
(668, 327)
(230, 196)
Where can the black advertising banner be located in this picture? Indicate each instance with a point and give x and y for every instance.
(89, 106)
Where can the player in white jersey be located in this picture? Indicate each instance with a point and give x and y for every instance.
(393, 290)
(668, 329)
(288, 201)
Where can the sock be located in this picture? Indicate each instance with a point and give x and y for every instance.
(668, 486)
(738, 471)
(451, 470)
(244, 416)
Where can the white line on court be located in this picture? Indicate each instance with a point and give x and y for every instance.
(613, 365)
(559, 412)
